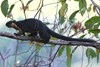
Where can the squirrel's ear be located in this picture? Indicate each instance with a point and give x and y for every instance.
(14, 21)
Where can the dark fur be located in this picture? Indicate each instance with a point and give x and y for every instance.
(34, 26)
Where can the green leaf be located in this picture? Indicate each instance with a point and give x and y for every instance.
(98, 55)
(74, 49)
(60, 51)
(68, 62)
(90, 53)
(82, 36)
(89, 8)
(63, 9)
(68, 50)
(4, 7)
(62, 1)
(94, 31)
(69, 56)
(82, 6)
(94, 9)
(93, 23)
(73, 15)
(29, 2)
(62, 13)
(11, 8)
(61, 19)
(76, 0)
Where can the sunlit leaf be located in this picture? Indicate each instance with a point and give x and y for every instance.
(62, 1)
(4, 7)
(63, 9)
(62, 12)
(69, 56)
(68, 50)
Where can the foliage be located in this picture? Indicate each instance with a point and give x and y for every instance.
(69, 56)
(62, 11)
(82, 6)
(5, 8)
(60, 52)
(72, 17)
(92, 25)
(90, 53)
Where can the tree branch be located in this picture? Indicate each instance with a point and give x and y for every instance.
(55, 42)
(97, 8)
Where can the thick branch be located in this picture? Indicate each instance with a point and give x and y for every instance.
(56, 42)
(96, 7)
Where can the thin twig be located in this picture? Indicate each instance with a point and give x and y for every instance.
(54, 56)
(2, 56)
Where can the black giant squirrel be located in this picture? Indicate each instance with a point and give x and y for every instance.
(35, 26)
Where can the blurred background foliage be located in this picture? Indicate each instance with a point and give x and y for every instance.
(74, 18)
